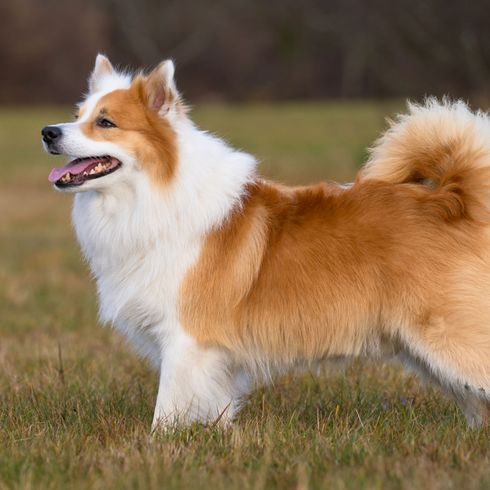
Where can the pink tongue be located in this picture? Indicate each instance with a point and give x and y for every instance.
(73, 168)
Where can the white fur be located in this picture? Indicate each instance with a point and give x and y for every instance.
(140, 242)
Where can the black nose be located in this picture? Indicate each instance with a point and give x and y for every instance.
(51, 134)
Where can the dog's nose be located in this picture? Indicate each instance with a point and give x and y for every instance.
(51, 134)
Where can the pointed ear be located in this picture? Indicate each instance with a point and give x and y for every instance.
(160, 87)
(102, 68)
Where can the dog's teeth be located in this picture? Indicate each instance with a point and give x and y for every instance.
(101, 166)
(66, 177)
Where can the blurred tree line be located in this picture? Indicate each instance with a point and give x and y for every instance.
(250, 49)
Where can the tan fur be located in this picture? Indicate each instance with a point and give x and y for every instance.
(139, 129)
(400, 259)
(308, 273)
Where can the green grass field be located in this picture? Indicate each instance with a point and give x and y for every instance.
(76, 404)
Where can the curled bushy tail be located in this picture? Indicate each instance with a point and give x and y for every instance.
(443, 146)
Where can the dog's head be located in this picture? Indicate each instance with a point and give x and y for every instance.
(124, 128)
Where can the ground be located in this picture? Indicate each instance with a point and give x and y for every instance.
(76, 404)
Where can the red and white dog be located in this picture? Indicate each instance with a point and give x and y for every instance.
(220, 277)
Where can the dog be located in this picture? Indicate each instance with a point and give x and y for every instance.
(221, 278)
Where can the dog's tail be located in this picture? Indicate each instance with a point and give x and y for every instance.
(443, 147)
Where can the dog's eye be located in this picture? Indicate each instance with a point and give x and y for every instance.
(105, 123)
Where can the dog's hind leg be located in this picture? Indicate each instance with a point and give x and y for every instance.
(454, 353)
(474, 406)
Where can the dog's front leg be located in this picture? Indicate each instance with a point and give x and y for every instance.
(196, 384)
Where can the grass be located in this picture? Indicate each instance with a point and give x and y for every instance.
(76, 404)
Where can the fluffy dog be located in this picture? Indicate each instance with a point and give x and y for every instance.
(218, 276)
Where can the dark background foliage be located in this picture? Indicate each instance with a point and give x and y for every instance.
(251, 49)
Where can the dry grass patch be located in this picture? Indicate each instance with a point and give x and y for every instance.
(76, 405)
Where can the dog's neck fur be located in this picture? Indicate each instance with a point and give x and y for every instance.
(120, 227)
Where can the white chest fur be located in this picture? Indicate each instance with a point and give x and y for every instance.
(138, 259)
(140, 241)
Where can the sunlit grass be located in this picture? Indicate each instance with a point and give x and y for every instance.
(76, 404)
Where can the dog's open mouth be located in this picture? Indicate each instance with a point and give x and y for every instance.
(82, 169)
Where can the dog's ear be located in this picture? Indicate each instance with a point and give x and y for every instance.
(103, 68)
(160, 88)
